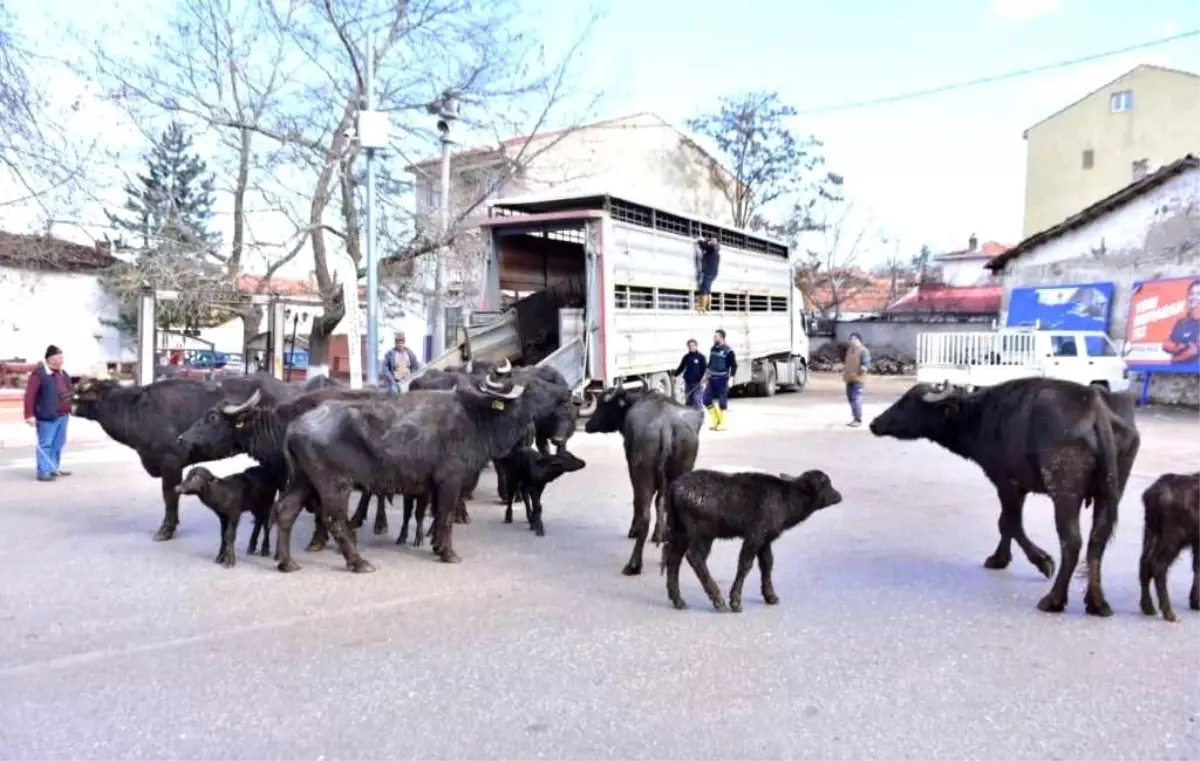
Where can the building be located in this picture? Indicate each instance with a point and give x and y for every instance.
(52, 294)
(641, 154)
(1128, 261)
(1111, 137)
(968, 267)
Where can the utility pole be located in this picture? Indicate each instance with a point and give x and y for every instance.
(447, 111)
(372, 137)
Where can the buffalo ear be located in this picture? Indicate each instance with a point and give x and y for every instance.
(812, 481)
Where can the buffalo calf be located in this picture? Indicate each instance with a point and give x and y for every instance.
(704, 505)
(526, 472)
(1172, 523)
(252, 490)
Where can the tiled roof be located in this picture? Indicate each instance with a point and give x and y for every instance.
(988, 250)
(937, 298)
(41, 252)
(861, 293)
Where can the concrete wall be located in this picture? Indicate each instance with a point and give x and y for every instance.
(67, 310)
(894, 339)
(1155, 236)
(1161, 126)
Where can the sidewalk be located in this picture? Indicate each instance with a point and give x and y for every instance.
(18, 435)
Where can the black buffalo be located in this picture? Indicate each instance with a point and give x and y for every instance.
(1172, 505)
(662, 438)
(420, 443)
(1071, 442)
(149, 420)
(255, 426)
(252, 490)
(319, 382)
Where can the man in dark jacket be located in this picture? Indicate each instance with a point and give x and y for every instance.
(722, 367)
(692, 368)
(708, 262)
(47, 407)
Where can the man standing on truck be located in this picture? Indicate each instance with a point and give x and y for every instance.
(858, 362)
(708, 261)
(722, 367)
(692, 368)
(398, 366)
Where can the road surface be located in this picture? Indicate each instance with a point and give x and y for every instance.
(891, 640)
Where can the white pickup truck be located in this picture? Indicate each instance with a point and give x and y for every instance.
(985, 358)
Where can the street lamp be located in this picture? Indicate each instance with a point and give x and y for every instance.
(446, 111)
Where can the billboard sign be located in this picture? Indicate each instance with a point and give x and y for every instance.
(1084, 306)
(1163, 333)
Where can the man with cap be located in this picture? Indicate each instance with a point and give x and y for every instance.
(47, 407)
(398, 366)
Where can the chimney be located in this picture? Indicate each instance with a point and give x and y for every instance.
(972, 242)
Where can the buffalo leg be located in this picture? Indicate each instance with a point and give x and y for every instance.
(673, 552)
(445, 498)
(1149, 542)
(360, 513)
(320, 530)
(641, 524)
(229, 527)
(407, 512)
(660, 520)
(746, 558)
(1012, 526)
(252, 547)
(1194, 595)
(221, 552)
(508, 500)
(501, 483)
(381, 524)
(766, 564)
(1167, 550)
(422, 505)
(266, 538)
(534, 495)
(286, 510)
(1066, 521)
(697, 556)
(333, 504)
(1104, 513)
(171, 477)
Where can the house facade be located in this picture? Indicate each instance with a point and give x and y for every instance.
(1129, 260)
(1111, 137)
(52, 294)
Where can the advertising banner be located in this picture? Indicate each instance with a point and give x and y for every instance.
(1085, 306)
(1163, 334)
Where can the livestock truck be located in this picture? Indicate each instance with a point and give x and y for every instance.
(603, 289)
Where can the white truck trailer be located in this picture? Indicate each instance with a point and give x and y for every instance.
(603, 289)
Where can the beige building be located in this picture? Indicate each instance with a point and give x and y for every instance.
(1115, 135)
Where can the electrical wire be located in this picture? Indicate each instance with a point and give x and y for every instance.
(996, 77)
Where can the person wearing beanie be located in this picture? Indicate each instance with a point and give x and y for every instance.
(47, 407)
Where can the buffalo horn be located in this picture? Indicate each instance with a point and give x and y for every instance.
(234, 409)
(493, 384)
(504, 369)
(938, 395)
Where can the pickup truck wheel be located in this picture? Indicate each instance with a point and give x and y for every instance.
(770, 382)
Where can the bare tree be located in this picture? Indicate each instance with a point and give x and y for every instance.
(897, 267)
(833, 245)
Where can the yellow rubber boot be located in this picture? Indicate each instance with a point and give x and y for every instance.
(715, 414)
(721, 418)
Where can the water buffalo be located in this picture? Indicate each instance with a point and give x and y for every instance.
(255, 426)
(252, 490)
(1172, 522)
(149, 420)
(662, 438)
(1071, 442)
(421, 442)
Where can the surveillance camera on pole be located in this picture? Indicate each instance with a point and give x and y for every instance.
(446, 110)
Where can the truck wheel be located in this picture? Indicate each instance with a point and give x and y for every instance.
(661, 382)
(800, 373)
(770, 382)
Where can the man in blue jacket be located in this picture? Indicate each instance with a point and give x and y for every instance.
(692, 368)
(398, 366)
(47, 407)
(722, 367)
(708, 262)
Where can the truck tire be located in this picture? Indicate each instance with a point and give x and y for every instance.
(661, 382)
(770, 382)
(800, 373)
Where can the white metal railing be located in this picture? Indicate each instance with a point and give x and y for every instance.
(975, 349)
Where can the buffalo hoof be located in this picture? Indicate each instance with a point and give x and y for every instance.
(770, 598)
(735, 606)
(1170, 617)
(632, 569)
(403, 537)
(381, 529)
(540, 531)
(165, 533)
(360, 566)
(316, 545)
(679, 604)
(462, 517)
(1045, 566)
(1099, 608)
(997, 562)
(1050, 605)
(720, 606)
(508, 519)
(266, 550)
(1194, 602)
(449, 556)
(657, 537)
(288, 566)
(1147, 606)
(420, 540)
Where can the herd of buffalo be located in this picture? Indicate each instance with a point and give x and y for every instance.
(316, 444)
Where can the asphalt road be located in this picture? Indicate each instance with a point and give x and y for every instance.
(891, 640)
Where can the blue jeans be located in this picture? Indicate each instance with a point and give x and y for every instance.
(854, 395)
(718, 389)
(693, 395)
(396, 387)
(51, 438)
(706, 282)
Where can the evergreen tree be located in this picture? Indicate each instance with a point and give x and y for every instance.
(171, 205)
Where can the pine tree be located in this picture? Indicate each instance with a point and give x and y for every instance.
(171, 205)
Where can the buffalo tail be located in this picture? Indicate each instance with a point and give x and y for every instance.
(1109, 461)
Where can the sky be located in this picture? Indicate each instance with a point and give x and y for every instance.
(930, 170)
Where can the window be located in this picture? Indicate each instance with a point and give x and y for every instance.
(429, 195)
(1089, 158)
(1099, 346)
(1121, 101)
(1063, 346)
